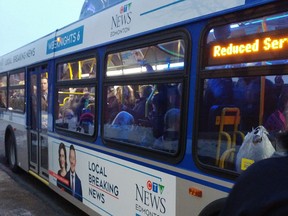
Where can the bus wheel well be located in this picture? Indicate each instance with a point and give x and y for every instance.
(10, 149)
(214, 208)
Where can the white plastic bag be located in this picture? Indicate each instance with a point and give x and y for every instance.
(256, 146)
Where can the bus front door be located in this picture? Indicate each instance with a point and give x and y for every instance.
(38, 116)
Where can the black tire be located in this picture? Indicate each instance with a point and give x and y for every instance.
(12, 153)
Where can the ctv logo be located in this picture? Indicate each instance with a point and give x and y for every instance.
(125, 8)
(155, 187)
(121, 20)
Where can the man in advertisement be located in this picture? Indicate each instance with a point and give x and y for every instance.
(75, 187)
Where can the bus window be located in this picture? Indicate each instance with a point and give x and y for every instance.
(167, 56)
(76, 109)
(16, 92)
(16, 79)
(146, 116)
(3, 91)
(3, 81)
(76, 97)
(76, 70)
(231, 107)
(246, 92)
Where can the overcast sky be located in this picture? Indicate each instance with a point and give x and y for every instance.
(23, 21)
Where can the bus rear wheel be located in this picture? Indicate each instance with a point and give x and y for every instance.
(12, 156)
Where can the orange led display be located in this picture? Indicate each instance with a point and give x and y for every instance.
(274, 44)
(261, 47)
(235, 49)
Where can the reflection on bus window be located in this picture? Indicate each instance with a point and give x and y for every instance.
(44, 100)
(3, 92)
(91, 7)
(161, 57)
(3, 81)
(3, 99)
(16, 98)
(76, 109)
(144, 115)
(16, 79)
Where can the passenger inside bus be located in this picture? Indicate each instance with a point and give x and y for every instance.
(217, 92)
(123, 119)
(113, 105)
(44, 88)
(138, 55)
(173, 96)
(159, 108)
(258, 102)
(251, 104)
(70, 102)
(148, 120)
(78, 110)
(138, 111)
(16, 97)
(126, 96)
(83, 103)
(277, 121)
(170, 139)
(44, 102)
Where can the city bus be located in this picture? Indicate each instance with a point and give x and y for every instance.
(142, 108)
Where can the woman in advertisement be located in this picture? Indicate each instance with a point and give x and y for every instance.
(63, 166)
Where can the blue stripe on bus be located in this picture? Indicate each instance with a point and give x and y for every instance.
(159, 8)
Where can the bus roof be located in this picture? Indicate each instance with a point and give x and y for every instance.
(120, 21)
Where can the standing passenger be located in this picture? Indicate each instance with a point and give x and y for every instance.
(138, 110)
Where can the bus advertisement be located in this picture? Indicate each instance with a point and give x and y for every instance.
(113, 186)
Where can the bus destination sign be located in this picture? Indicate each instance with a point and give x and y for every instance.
(260, 47)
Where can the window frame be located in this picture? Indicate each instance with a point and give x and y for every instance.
(16, 87)
(181, 76)
(90, 83)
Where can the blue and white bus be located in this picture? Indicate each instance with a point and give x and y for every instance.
(147, 104)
